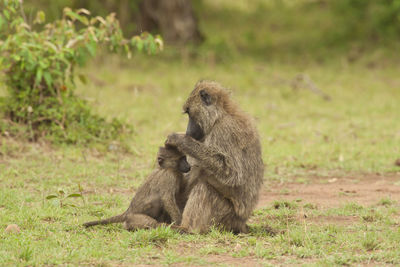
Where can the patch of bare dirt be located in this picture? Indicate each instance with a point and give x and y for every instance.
(220, 258)
(334, 192)
(232, 261)
(335, 220)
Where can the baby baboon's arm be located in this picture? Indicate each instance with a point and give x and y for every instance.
(223, 167)
(172, 208)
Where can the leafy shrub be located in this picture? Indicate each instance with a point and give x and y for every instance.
(126, 10)
(39, 62)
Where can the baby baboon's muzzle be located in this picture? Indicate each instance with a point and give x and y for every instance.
(184, 166)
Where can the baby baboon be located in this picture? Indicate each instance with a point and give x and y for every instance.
(155, 201)
(228, 166)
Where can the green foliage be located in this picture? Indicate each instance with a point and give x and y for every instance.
(366, 20)
(269, 29)
(40, 61)
(125, 10)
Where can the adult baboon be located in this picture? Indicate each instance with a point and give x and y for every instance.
(228, 166)
(156, 200)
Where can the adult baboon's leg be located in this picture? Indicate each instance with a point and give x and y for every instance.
(235, 224)
(206, 207)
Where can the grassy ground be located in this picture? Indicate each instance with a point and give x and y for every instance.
(303, 136)
(305, 139)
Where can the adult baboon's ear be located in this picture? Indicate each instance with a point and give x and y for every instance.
(205, 97)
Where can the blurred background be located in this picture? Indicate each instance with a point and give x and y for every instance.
(320, 76)
(263, 29)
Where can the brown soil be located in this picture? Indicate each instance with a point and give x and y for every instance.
(218, 259)
(228, 260)
(333, 192)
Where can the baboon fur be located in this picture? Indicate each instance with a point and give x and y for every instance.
(228, 169)
(155, 202)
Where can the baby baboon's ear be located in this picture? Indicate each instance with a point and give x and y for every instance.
(205, 97)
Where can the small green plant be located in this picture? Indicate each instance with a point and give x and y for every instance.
(310, 206)
(370, 241)
(386, 202)
(296, 238)
(62, 196)
(262, 230)
(39, 63)
(26, 254)
(371, 215)
(280, 204)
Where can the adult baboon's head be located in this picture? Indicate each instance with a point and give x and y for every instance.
(206, 104)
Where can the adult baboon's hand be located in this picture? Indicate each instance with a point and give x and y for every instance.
(175, 139)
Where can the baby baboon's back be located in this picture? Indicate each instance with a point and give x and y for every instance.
(157, 196)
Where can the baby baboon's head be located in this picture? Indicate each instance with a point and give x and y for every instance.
(170, 158)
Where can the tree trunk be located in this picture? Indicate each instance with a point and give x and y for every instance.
(174, 19)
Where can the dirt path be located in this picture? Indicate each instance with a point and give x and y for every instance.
(333, 192)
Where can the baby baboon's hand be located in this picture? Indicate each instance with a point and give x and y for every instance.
(175, 139)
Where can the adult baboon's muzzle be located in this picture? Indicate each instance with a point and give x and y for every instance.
(194, 130)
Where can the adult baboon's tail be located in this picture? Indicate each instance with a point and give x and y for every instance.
(115, 219)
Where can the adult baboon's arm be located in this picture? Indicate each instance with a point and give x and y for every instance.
(220, 164)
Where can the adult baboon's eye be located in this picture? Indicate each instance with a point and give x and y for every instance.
(205, 97)
(160, 161)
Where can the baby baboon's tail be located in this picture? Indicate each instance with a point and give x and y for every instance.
(114, 219)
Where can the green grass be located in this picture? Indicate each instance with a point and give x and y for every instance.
(357, 131)
(302, 136)
(52, 235)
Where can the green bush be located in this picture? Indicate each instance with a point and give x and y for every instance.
(39, 62)
(126, 10)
